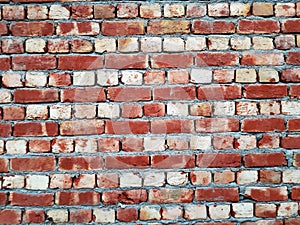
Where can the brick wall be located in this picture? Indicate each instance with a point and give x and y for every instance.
(161, 113)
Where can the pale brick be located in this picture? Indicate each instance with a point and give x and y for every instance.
(288, 209)
(262, 43)
(290, 108)
(62, 145)
(245, 142)
(177, 178)
(58, 45)
(224, 108)
(154, 144)
(150, 11)
(1, 147)
(200, 142)
(12, 80)
(262, 9)
(85, 181)
(178, 77)
(130, 180)
(268, 75)
(13, 12)
(5, 96)
(60, 112)
(172, 212)
(245, 76)
(218, 10)
(106, 110)
(105, 45)
(242, 210)
(177, 109)
(173, 44)
(196, 10)
(239, 9)
(35, 45)
(285, 42)
(37, 112)
(13, 182)
(195, 43)
(247, 177)
(218, 43)
(37, 12)
(223, 76)
(58, 12)
(85, 111)
(154, 77)
(151, 44)
(132, 77)
(128, 44)
(224, 177)
(269, 108)
(285, 9)
(37, 182)
(195, 212)
(201, 109)
(178, 143)
(150, 213)
(108, 180)
(104, 215)
(246, 108)
(84, 145)
(291, 176)
(62, 181)
(86, 78)
(240, 43)
(156, 179)
(57, 215)
(127, 10)
(173, 10)
(219, 212)
(35, 79)
(107, 77)
(298, 37)
(16, 147)
(200, 177)
(201, 76)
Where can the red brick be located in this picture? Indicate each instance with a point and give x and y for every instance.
(80, 216)
(59, 79)
(13, 113)
(81, 45)
(154, 109)
(80, 62)
(267, 194)
(172, 161)
(219, 92)
(127, 162)
(118, 94)
(258, 91)
(269, 141)
(262, 210)
(265, 159)
(76, 163)
(263, 125)
(290, 142)
(290, 75)
(5, 129)
(296, 193)
(35, 164)
(127, 214)
(262, 59)
(154, 77)
(27, 199)
(32, 29)
(295, 91)
(83, 95)
(211, 125)
(174, 93)
(130, 144)
(216, 27)
(166, 195)
(104, 11)
(82, 11)
(36, 129)
(34, 216)
(3, 165)
(126, 61)
(41, 62)
(291, 26)
(77, 198)
(35, 96)
(215, 160)
(12, 46)
(81, 127)
(27, 1)
(171, 60)
(265, 222)
(115, 28)
(3, 199)
(39, 145)
(78, 28)
(172, 126)
(294, 125)
(217, 59)
(127, 127)
(168, 27)
(125, 197)
(10, 216)
(258, 26)
(108, 145)
(293, 58)
(270, 177)
(223, 142)
(4, 63)
(291, 221)
(132, 111)
(217, 194)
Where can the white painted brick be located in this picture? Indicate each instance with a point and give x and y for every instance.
(1, 147)
(154, 144)
(58, 215)
(201, 76)
(195, 43)
(16, 147)
(105, 45)
(291, 176)
(132, 77)
(177, 178)
(288, 209)
(239, 9)
(86, 78)
(290, 108)
(34, 112)
(13, 182)
(268, 75)
(177, 109)
(151, 44)
(219, 212)
(107, 77)
(37, 182)
(194, 212)
(173, 44)
(200, 142)
(35, 79)
(106, 110)
(242, 210)
(130, 180)
(245, 76)
(104, 215)
(35, 45)
(60, 112)
(224, 108)
(59, 12)
(247, 177)
(156, 179)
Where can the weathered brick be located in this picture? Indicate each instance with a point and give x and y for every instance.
(168, 27)
(115, 28)
(32, 28)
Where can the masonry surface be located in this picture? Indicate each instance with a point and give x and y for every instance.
(149, 113)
